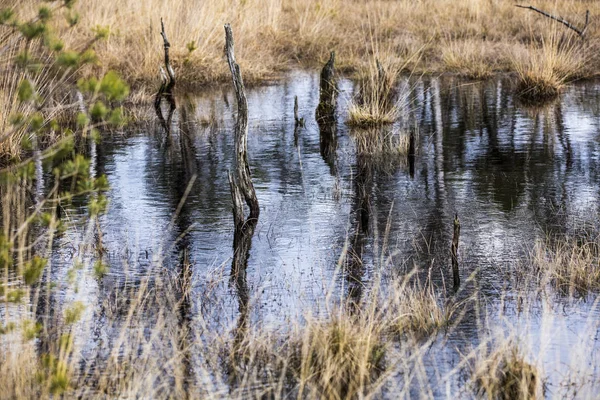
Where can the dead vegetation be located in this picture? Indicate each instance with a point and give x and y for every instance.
(375, 101)
(503, 374)
(401, 325)
(570, 265)
(544, 69)
(473, 38)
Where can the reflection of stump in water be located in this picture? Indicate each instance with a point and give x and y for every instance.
(328, 141)
(325, 113)
(411, 154)
(183, 182)
(242, 242)
(166, 88)
(167, 94)
(186, 143)
(298, 121)
(363, 185)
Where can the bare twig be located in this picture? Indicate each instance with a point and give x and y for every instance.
(454, 250)
(581, 32)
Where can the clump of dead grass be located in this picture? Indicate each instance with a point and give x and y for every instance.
(341, 358)
(569, 265)
(336, 358)
(468, 59)
(504, 374)
(419, 310)
(544, 70)
(375, 102)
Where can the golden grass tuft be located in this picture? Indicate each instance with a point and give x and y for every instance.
(340, 358)
(504, 374)
(544, 70)
(571, 266)
(418, 310)
(469, 58)
(375, 101)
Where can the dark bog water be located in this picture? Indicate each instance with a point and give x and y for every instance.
(512, 174)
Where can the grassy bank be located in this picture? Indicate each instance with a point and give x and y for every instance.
(472, 38)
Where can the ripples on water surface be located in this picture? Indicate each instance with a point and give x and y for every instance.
(512, 174)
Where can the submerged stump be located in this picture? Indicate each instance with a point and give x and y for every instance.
(242, 189)
(325, 113)
(327, 90)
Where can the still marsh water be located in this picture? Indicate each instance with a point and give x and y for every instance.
(513, 175)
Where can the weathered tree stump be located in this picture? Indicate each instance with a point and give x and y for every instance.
(244, 179)
(241, 189)
(327, 90)
(167, 46)
(325, 113)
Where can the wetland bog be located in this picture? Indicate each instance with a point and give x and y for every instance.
(344, 235)
(417, 220)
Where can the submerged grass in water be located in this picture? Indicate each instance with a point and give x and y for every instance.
(504, 374)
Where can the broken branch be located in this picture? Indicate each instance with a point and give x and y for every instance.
(580, 32)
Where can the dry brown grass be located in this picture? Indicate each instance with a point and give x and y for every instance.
(12, 135)
(375, 100)
(570, 265)
(471, 59)
(544, 70)
(419, 310)
(503, 374)
(335, 358)
(474, 37)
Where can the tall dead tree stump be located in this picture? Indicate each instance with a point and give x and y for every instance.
(244, 176)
